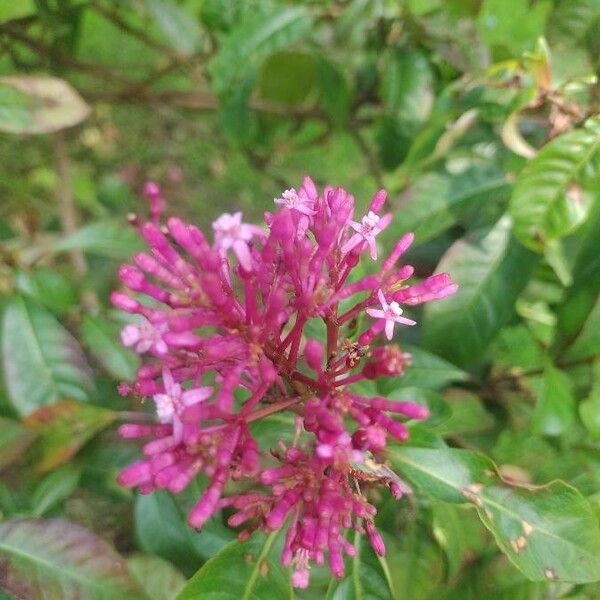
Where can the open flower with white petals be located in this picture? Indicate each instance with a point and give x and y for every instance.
(366, 231)
(145, 337)
(392, 313)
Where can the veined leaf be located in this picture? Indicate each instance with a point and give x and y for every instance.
(251, 570)
(56, 559)
(248, 44)
(39, 104)
(546, 202)
(42, 361)
(491, 269)
(436, 202)
(550, 533)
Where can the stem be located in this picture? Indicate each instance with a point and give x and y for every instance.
(271, 409)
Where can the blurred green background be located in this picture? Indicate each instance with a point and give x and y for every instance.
(445, 103)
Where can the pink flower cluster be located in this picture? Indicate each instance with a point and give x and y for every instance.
(223, 327)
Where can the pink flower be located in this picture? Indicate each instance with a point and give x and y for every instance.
(144, 337)
(294, 201)
(391, 313)
(202, 317)
(230, 232)
(366, 231)
(171, 404)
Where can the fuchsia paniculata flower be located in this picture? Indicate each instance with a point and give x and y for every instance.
(223, 327)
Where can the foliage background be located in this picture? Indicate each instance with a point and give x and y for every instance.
(477, 116)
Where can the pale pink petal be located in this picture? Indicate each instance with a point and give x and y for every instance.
(376, 313)
(389, 329)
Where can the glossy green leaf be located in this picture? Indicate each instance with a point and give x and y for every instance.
(435, 202)
(103, 238)
(554, 412)
(42, 361)
(58, 559)
(550, 533)
(101, 337)
(39, 104)
(491, 269)
(251, 570)
(16, 9)
(62, 428)
(14, 440)
(335, 93)
(547, 202)
(178, 26)
(439, 409)
(367, 576)
(252, 41)
(54, 489)
(157, 578)
(589, 409)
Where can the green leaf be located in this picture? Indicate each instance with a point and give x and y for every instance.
(468, 414)
(547, 202)
(515, 25)
(263, 33)
(47, 287)
(589, 409)
(63, 428)
(16, 9)
(103, 238)
(287, 77)
(39, 104)
(491, 269)
(554, 412)
(178, 26)
(100, 336)
(426, 371)
(579, 312)
(58, 559)
(435, 202)
(439, 409)
(245, 571)
(335, 93)
(416, 563)
(407, 86)
(41, 359)
(159, 579)
(161, 528)
(14, 440)
(367, 576)
(460, 535)
(54, 489)
(550, 533)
